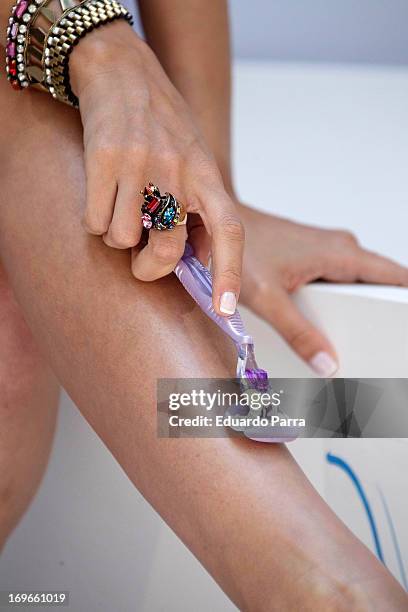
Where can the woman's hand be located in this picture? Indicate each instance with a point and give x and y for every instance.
(281, 256)
(138, 128)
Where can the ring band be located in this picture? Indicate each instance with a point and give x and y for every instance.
(161, 212)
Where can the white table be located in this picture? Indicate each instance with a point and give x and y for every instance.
(325, 145)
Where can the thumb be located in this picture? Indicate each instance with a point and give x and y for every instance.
(305, 339)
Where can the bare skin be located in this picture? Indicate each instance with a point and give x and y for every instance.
(233, 503)
(28, 402)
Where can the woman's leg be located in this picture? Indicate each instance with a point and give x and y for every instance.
(244, 509)
(28, 407)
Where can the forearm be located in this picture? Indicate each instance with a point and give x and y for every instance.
(191, 40)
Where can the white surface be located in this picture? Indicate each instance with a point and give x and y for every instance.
(326, 146)
(380, 466)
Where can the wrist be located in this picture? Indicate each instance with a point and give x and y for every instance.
(100, 51)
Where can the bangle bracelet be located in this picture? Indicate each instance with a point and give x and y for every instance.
(68, 31)
(42, 34)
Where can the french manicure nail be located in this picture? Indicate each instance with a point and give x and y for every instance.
(323, 364)
(228, 303)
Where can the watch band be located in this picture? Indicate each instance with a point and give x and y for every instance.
(66, 33)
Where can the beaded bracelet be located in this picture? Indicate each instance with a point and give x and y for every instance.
(39, 40)
(16, 45)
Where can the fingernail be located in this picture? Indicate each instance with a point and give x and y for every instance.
(323, 364)
(228, 303)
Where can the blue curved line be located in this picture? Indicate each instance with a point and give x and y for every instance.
(342, 464)
(394, 539)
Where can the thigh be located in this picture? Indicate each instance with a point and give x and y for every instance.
(28, 405)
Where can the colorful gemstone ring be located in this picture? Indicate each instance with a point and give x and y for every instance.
(161, 212)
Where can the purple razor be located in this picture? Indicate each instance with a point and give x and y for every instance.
(197, 281)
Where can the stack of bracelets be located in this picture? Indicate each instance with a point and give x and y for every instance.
(41, 35)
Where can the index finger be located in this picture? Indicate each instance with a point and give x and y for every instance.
(227, 233)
